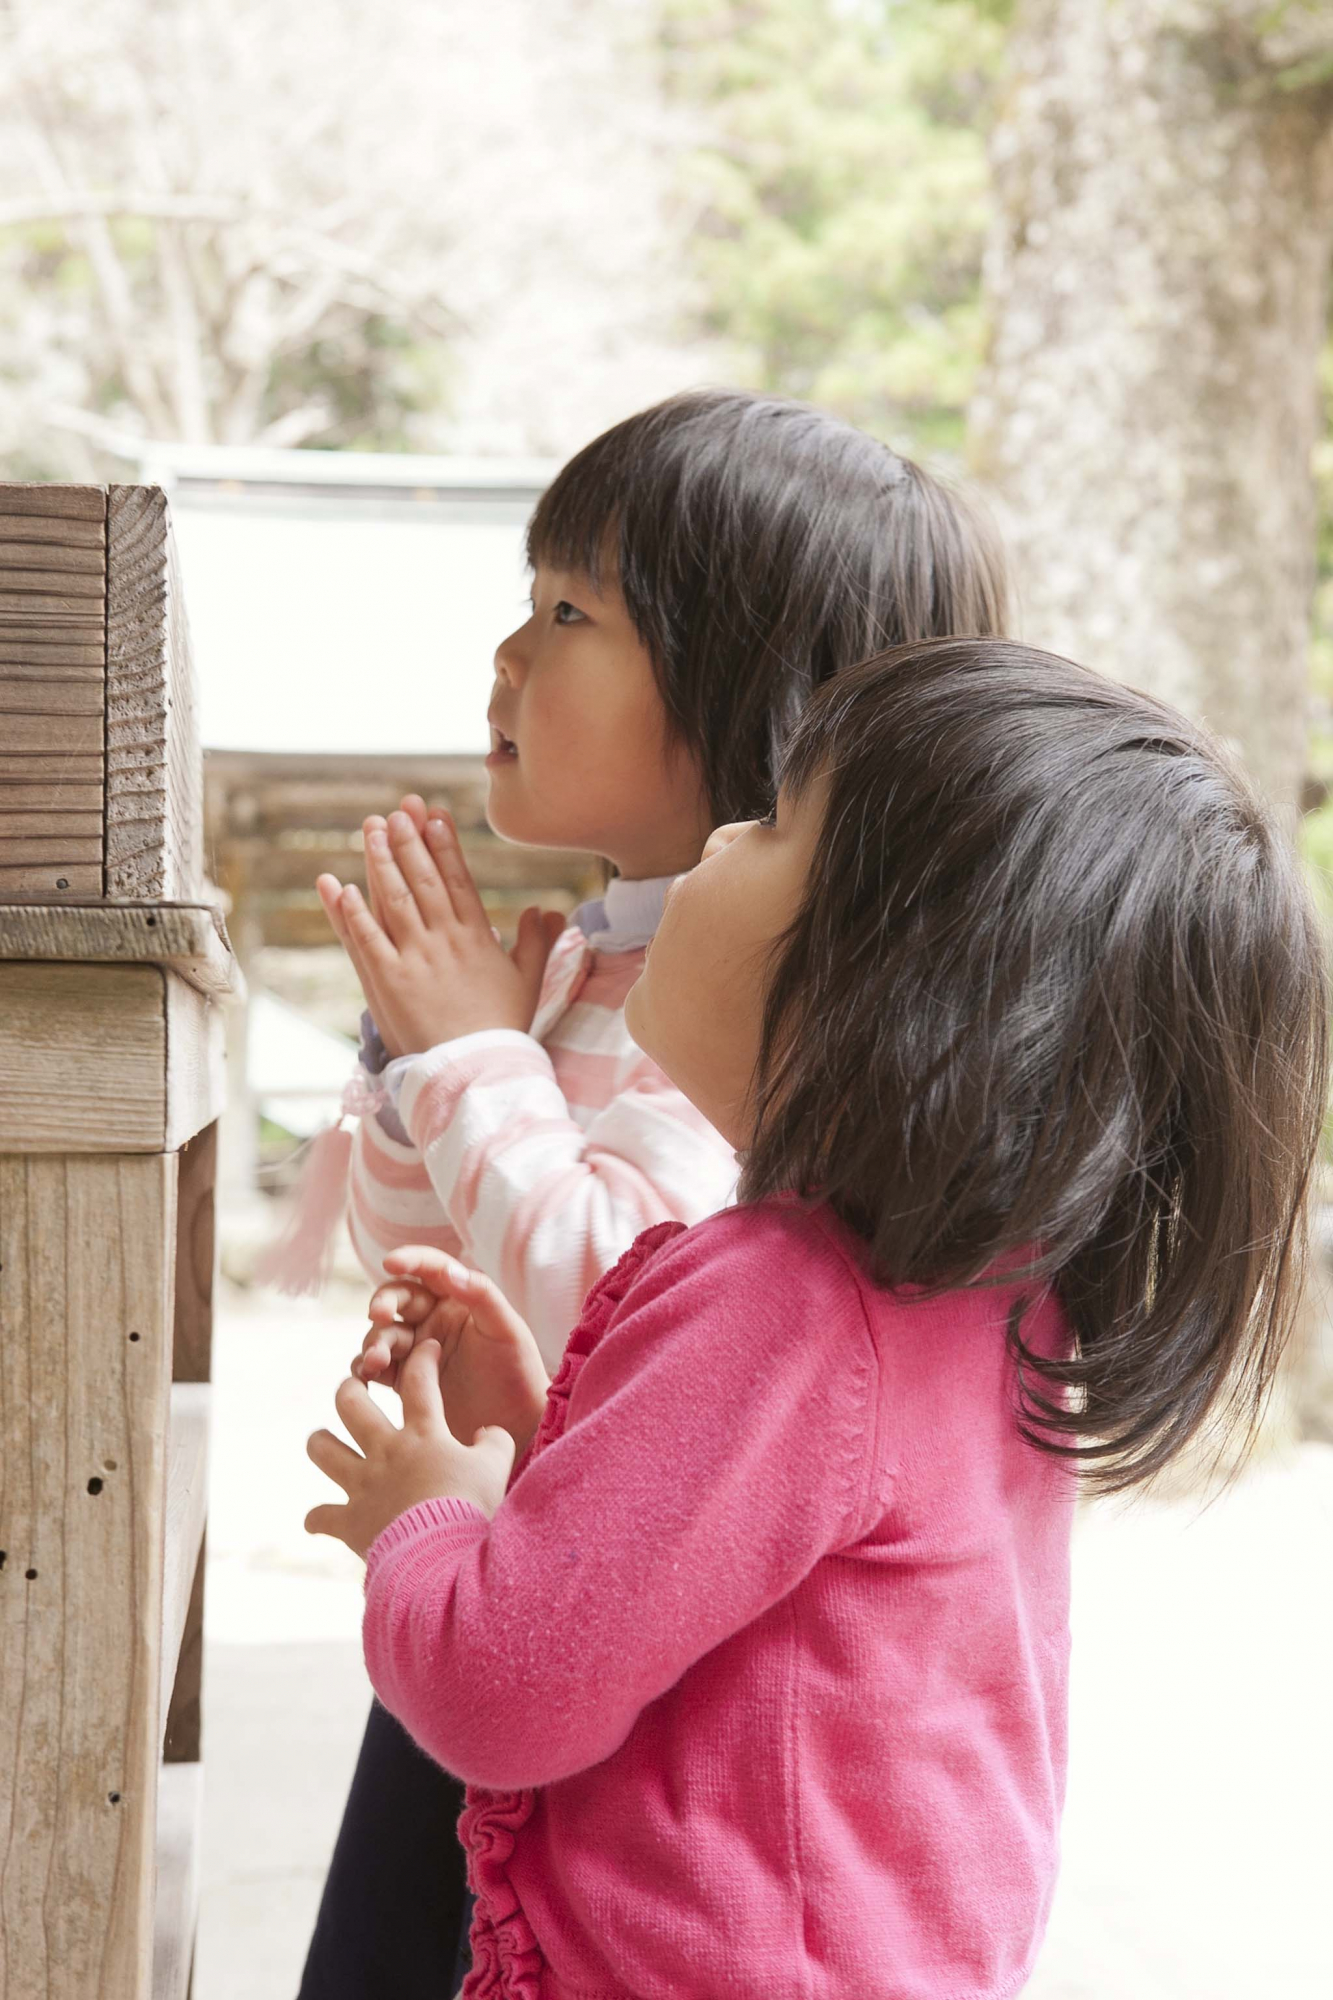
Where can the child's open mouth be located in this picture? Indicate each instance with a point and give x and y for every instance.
(503, 748)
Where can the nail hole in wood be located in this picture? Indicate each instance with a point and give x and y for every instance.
(151, 922)
(113, 1798)
(31, 1575)
(134, 1336)
(94, 1485)
(62, 882)
(2, 1558)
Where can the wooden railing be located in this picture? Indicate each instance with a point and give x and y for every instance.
(111, 970)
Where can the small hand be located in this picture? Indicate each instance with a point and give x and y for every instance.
(491, 1371)
(415, 807)
(396, 1468)
(429, 963)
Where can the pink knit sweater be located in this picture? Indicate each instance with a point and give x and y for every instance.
(758, 1674)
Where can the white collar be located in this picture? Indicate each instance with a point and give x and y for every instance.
(626, 916)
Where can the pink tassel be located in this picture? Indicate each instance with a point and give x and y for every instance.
(299, 1260)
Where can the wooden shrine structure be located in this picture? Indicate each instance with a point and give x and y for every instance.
(274, 820)
(112, 968)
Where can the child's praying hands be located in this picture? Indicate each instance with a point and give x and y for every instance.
(396, 1468)
(429, 963)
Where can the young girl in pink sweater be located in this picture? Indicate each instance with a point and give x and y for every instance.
(749, 1635)
(696, 571)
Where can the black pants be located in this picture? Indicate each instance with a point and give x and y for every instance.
(395, 1911)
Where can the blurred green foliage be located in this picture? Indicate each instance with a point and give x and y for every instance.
(839, 196)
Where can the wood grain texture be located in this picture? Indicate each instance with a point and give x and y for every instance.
(42, 848)
(105, 1058)
(85, 1357)
(196, 1257)
(182, 1737)
(61, 585)
(196, 1060)
(64, 531)
(79, 651)
(57, 772)
(30, 612)
(54, 503)
(61, 556)
(27, 691)
(186, 1505)
(58, 737)
(188, 938)
(83, 1058)
(52, 684)
(154, 806)
(30, 793)
(50, 665)
(22, 822)
(110, 1050)
(192, 1350)
(180, 1818)
(29, 878)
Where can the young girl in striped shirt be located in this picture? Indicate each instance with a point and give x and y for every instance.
(697, 571)
(755, 1660)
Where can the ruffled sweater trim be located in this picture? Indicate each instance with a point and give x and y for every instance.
(507, 1961)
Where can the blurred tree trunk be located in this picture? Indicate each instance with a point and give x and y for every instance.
(1157, 283)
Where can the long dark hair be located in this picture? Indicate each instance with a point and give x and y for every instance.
(761, 546)
(1056, 989)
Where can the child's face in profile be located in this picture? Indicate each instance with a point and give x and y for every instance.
(697, 1007)
(580, 752)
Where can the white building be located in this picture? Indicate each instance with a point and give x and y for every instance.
(346, 601)
(343, 605)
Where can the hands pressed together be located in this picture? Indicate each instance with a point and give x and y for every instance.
(429, 963)
(466, 1368)
(472, 1386)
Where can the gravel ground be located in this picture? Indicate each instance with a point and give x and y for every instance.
(1199, 1830)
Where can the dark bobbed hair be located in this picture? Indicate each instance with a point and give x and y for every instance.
(761, 546)
(1056, 990)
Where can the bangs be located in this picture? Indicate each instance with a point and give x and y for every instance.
(576, 523)
(761, 547)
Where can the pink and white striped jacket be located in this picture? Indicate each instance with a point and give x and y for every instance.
(540, 1157)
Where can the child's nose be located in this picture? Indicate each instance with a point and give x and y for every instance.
(509, 661)
(722, 836)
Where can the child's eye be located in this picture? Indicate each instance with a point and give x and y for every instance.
(566, 613)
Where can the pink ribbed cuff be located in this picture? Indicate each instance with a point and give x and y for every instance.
(463, 1516)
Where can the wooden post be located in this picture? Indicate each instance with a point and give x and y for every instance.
(111, 968)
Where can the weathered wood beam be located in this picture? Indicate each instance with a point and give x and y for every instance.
(52, 689)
